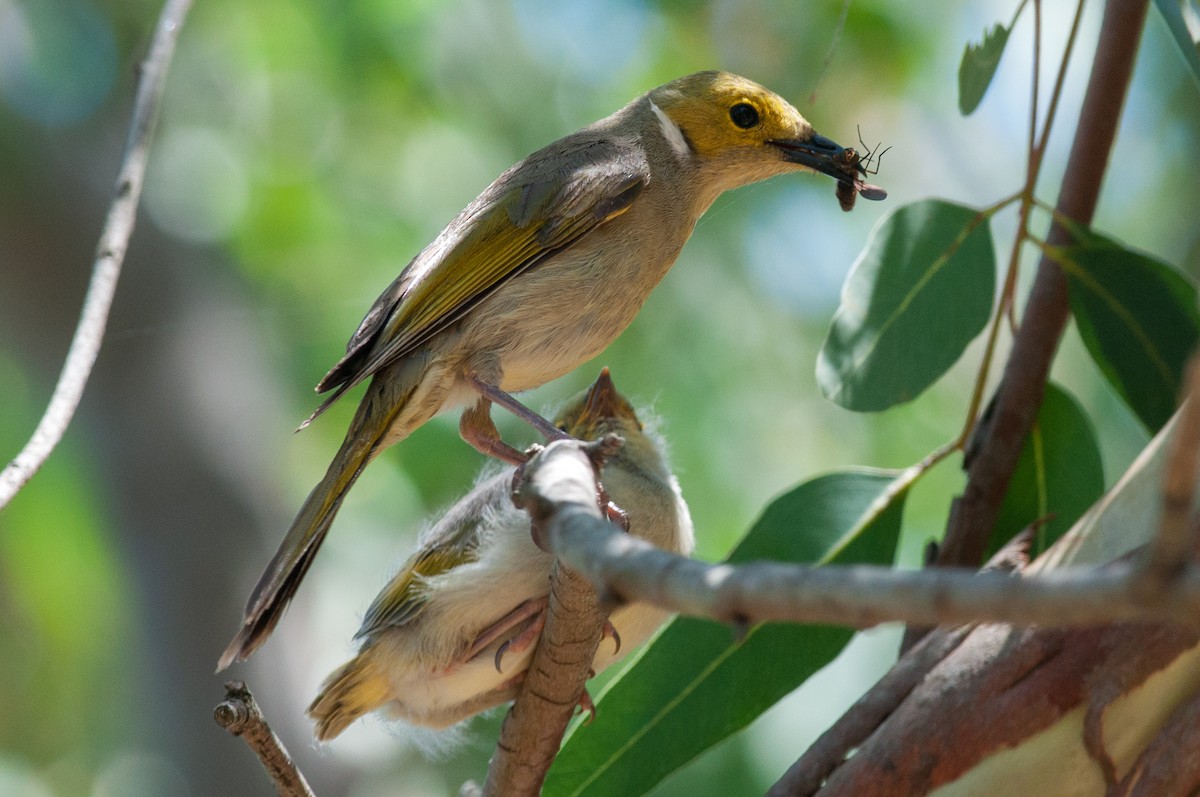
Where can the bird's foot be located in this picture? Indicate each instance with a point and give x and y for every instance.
(610, 630)
(479, 431)
(586, 706)
(526, 619)
(495, 395)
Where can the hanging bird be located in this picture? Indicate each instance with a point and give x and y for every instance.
(537, 275)
(453, 632)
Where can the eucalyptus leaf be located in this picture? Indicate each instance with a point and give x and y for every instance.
(696, 683)
(1058, 476)
(978, 67)
(918, 294)
(1138, 318)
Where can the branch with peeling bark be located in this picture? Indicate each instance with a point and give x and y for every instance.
(1178, 539)
(869, 711)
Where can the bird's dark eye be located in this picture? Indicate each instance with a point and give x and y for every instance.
(744, 115)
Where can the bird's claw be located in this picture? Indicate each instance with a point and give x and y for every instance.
(612, 513)
(610, 630)
(586, 706)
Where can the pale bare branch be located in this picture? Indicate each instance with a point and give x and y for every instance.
(110, 255)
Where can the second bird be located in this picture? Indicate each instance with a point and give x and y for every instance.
(453, 632)
(536, 276)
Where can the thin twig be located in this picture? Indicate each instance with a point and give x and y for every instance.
(110, 255)
(838, 28)
(240, 715)
(558, 488)
(1020, 393)
(1036, 150)
(1056, 93)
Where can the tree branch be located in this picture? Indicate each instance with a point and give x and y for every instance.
(558, 488)
(110, 255)
(1174, 547)
(559, 493)
(1020, 393)
(1169, 766)
(832, 748)
(627, 569)
(240, 715)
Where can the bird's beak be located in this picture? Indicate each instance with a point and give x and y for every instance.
(819, 154)
(603, 400)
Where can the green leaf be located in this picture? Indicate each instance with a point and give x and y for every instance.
(1172, 12)
(1138, 318)
(1060, 473)
(978, 66)
(919, 293)
(695, 685)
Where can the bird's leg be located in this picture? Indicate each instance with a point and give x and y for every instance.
(477, 429)
(531, 608)
(502, 399)
(523, 639)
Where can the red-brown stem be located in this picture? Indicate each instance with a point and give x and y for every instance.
(1020, 393)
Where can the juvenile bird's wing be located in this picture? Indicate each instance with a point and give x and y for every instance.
(403, 599)
(452, 541)
(533, 211)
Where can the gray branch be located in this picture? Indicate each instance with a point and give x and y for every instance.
(625, 569)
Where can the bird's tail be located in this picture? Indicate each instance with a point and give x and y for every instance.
(390, 409)
(356, 688)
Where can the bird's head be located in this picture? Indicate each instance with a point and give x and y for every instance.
(598, 410)
(738, 132)
(601, 409)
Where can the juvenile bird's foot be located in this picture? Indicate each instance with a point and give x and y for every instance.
(612, 513)
(610, 630)
(523, 639)
(586, 706)
(531, 613)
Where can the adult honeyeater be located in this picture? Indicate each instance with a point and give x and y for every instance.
(453, 631)
(537, 275)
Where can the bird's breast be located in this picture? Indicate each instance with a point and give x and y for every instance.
(567, 308)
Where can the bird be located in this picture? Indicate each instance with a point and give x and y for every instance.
(537, 275)
(452, 633)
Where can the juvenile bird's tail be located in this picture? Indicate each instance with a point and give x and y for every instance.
(391, 408)
(356, 688)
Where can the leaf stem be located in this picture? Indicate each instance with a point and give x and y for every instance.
(1020, 392)
(1006, 307)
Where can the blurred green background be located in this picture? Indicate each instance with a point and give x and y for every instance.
(307, 149)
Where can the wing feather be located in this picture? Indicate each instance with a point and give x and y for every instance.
(535, 210)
